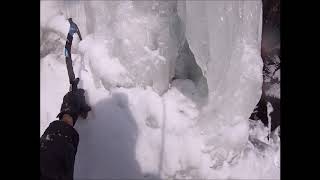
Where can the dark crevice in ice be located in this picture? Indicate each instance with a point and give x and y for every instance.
(187, 68)
(270, 48)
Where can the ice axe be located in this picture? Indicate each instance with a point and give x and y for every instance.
(85, 108)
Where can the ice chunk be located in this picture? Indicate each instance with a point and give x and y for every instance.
(107, 69)
(226, 46)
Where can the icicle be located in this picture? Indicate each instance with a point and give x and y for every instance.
(270, 110)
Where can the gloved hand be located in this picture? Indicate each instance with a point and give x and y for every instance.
(74, 104)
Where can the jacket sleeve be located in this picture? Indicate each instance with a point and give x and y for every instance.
(58, 148)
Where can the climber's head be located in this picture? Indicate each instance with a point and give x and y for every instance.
(70, 19)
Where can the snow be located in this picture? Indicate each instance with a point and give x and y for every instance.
(142, 125)
(99, 59)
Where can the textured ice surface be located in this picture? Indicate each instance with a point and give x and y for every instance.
(141, 35)
(226, 45)
(142, 126)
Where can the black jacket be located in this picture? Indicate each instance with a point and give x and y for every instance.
(58, 148)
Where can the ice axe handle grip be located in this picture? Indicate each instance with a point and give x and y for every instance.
(74, 84)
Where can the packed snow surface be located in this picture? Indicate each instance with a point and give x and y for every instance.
(143, 123)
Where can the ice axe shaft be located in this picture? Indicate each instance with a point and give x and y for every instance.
(74, 81)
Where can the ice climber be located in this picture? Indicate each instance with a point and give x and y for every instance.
(59, 142)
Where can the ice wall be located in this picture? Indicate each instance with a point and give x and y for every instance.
(134, 132)
(224, 37)
(142, 35)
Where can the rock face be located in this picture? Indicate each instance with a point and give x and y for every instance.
(270, 53)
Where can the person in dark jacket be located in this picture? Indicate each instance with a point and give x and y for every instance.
(59, 142)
